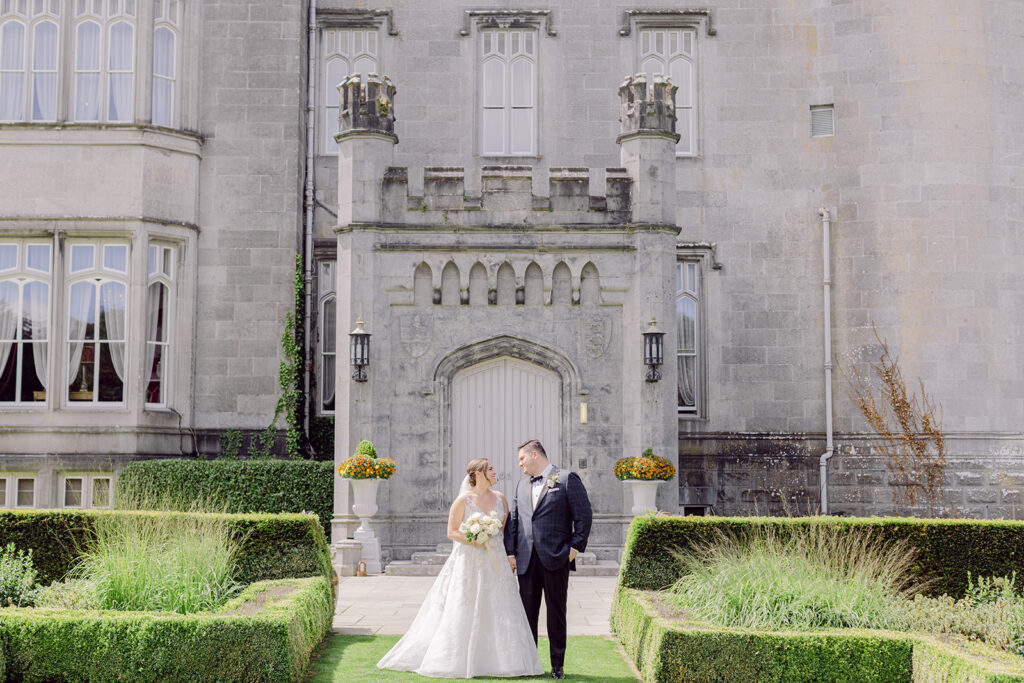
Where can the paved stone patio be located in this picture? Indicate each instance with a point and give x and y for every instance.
(388, 604)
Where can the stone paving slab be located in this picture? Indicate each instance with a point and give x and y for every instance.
(386, 605)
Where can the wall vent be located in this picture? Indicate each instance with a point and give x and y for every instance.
(823, 121)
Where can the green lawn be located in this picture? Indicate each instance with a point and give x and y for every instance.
(354, 658)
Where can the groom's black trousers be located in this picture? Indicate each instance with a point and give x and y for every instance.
(555, 585)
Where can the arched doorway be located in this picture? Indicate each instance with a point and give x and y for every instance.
(497, 404)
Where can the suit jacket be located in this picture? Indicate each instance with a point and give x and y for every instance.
(560, 521)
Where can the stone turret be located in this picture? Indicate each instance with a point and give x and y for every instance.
(366, 146)
(647, 146)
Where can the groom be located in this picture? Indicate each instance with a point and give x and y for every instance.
(548, 525)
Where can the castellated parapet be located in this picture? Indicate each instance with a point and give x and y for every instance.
(647, 107)
(506, 198)
(368, 108)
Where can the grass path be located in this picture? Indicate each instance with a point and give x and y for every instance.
(354, 659)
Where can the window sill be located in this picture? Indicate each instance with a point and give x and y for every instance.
(510, 158)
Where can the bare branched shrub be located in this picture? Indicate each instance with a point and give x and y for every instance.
(909, 431)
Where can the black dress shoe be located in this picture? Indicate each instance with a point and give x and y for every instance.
(557, 673)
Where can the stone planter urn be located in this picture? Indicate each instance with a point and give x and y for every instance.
(364, 506)
(644, 494)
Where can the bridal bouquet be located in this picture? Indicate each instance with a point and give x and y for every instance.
(480, 527)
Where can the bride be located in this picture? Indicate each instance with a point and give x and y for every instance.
(472, 622)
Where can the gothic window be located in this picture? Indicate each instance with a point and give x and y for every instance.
(97, 304)
(104, 60)
(29, 55)
(166, 32)
(158, 324)
(327, 340)
(24, 321)
(671, 52)
(688, 335)
(345, 51)
(508, 92)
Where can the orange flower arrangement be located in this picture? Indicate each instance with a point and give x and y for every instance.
(647, 467)
(364, 464)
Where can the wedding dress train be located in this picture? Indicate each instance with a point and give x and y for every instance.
(472, 622)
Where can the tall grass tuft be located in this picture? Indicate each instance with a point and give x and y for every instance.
(162, 560)
(816, 577)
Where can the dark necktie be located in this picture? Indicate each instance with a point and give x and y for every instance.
(534, 480)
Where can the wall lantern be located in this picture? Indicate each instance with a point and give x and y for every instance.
(359, 345)
(654, 351)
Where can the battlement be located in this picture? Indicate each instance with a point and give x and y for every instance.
(506, 198)
(647, 106)
(366, 108)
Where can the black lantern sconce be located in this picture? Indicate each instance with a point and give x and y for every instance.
(654, 351)
(359, 345)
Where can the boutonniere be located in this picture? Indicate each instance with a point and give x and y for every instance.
(552, 480)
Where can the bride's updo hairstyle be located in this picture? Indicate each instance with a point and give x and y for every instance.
(479, 465)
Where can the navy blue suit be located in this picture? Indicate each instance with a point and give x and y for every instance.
(540, 538)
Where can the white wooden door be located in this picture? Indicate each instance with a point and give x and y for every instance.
(497, 405)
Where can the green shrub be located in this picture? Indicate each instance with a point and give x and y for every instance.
(69, 594)
(234, 485)
(667, 650)
(174, 563)
(17, 577)
(270, 546)
(996, 623)
(274, 644)
(817, 578)
(230, 443)
(996, 547)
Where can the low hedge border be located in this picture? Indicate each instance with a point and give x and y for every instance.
(996, 547)
(275, 644)
(666, 651)
(272, 546)
(273, 486)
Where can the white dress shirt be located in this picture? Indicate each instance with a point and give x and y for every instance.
(539, 485)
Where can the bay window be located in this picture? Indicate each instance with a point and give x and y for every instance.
(29, 58)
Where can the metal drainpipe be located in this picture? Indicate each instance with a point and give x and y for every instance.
(310, 197)
(827, 288)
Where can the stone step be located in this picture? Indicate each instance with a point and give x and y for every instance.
(410, 568)
(429, 558)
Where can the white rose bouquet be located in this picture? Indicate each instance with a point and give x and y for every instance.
(481, 527)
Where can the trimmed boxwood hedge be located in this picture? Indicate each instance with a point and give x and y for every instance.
(666, 652)
(274, 644)
(947, 548)
(272, 546)
(237, 485)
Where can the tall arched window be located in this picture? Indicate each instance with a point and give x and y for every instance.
(670, 51)
(687, 334)
(328, 334)
(24, 321)
(104, 60)
(508, 92)
(29, 56)
(158, 324)
(346, 51)
(167, 26)
(97, 305)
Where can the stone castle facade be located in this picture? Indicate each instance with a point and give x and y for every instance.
(506, 226)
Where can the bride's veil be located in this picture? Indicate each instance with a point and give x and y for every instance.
(464, 486)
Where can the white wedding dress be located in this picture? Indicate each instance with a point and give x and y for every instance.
(472, 622)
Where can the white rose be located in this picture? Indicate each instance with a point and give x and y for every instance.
(474, 527)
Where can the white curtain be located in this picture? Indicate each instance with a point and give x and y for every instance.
(163, 76)
(328, 342)
(121, 47)
(112, 301)
(8, 320)
(80, 314)
(37, 312)
(156, 307)
(87, 81)
(44, 77)
(686, 320)
(12, 61)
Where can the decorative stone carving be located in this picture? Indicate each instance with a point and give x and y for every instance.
(597, 334)
(416, 333)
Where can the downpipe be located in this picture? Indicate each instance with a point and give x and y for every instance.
(827, 326)
(309, 205)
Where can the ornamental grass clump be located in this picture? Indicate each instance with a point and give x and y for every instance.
(160, 561)
(817, 577)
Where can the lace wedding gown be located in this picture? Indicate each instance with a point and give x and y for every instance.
(472, 622)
